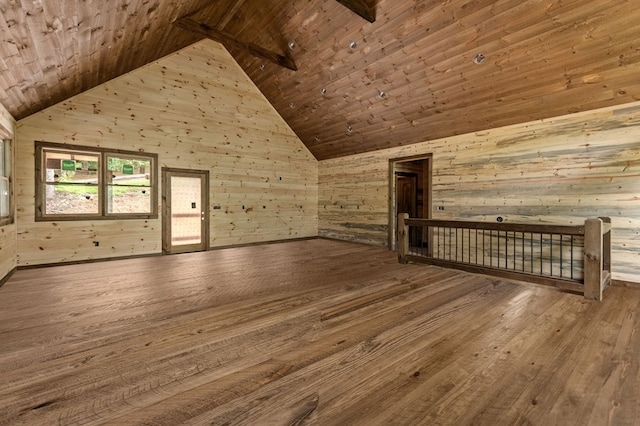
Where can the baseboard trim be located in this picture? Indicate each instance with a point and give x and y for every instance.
(262, 243)
(81, 262)
(6, 277)
(620, 283)
(140, 256)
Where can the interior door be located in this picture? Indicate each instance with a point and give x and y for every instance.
(407, 194)
(185, 212)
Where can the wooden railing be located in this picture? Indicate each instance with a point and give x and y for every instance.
(575, 258)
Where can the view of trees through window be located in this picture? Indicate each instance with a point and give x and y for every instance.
(129, 185)
(74, 182)
(71, 181)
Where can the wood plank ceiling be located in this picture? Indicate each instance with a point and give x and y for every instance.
(422, 70)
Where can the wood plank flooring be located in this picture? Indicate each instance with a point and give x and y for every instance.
(309, 332)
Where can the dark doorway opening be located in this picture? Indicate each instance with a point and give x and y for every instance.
(409, 192)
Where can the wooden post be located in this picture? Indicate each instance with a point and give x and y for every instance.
(402, 239)
(606, 244)
(593, 259)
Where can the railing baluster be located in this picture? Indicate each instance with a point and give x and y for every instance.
(523, 258)
(572, 257)
(498, 251)
(514, 252)
(561, 265)
(541, 246)
(476, 251)
(506, 249)
(484, 252)
(461, 245)
(490, 248)
(551, 254)
(531, 249)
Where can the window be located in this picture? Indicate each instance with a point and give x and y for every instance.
(75, 183)
(6, 199)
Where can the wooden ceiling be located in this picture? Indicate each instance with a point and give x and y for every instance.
(411, 75)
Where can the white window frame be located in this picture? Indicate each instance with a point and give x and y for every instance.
(6, 179)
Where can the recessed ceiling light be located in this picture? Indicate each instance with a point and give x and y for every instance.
(323, 91)
(353, 44)
(292, 105)
(349, 129)
(381, 94)
(292, 45)
(479, 58)
(262, 67)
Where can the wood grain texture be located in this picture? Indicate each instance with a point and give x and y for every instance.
(196, 109)
(8, 233)
(228, 40)
(57, 49)
(235, 337)
(543, 59)
(554, 171)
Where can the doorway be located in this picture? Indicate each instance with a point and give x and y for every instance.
(185, 212)
(410, 192)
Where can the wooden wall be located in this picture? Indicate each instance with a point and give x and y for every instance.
(197, 110)
(558, 170)
(8, 246)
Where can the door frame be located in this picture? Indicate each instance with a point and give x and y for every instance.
(427, 179)
(167, 173)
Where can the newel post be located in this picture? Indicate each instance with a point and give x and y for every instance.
(606, 244)
(402, 240)
(593, 261)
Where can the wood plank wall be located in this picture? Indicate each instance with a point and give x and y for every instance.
(558, 170)
(197, 110)
(8, 242)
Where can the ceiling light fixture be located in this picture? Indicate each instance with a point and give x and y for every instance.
(292, 105)
(324, 92)
(262, 67)
(381, 94)
(479, 58)
(353, 44)
(349, 129)
(292, 45)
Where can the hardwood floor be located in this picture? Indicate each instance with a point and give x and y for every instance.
(309, 332)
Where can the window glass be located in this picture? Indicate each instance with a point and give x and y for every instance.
(129, 185)
(71, 183)
(5, 185)
(101, 184)
(4, 197)
(2, 162)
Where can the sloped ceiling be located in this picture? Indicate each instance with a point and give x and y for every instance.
(422, 70)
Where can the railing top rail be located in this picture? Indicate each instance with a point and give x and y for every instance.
(509, 227)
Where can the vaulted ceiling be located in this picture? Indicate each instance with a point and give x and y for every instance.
(421, 70)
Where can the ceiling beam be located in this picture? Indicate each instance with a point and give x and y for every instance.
(228, 40)
(364, 8)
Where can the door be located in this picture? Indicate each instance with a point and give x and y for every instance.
(410, 192)
(185, 212)
(407, 193)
